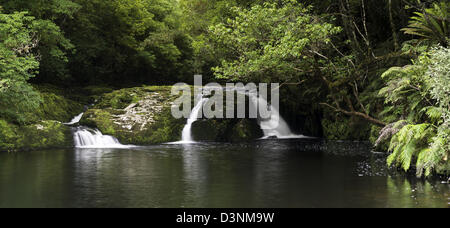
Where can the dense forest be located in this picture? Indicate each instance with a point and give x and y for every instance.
(375, 70)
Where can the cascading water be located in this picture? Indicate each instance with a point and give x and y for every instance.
(75, 120)
(275, 125)
(186, 136)
(85, 137)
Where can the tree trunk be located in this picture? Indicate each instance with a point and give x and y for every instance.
(347, 21)
(394, 30)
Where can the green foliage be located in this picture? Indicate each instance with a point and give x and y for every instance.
(340, 127)
(127, 41)
(52, 51)
(422, 86)
(53, 46)
(411, 141)
(8, 135)
(44, 134)
(439, 72)
(406, 93)
(17, 65)
(432, 23)
(55, 10)
(270, 42)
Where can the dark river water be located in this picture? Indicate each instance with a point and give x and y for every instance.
(271, 173)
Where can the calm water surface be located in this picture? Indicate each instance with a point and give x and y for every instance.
(287, 173)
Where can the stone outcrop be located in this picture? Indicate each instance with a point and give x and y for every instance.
(139, 115)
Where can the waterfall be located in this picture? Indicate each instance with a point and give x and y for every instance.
(75, 120)
(186, 136)
(85, 137)
(275, 125)
(88, 138)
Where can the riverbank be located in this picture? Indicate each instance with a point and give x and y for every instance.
(137, 115)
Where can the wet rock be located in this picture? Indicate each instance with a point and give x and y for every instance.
(226, 130)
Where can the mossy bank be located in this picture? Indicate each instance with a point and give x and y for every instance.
(44, 127)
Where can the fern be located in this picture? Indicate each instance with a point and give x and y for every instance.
(431, 24)
(410, 142)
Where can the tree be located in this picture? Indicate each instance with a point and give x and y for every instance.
(18, 40)
(270, 43)
(53, 47)
(131, 41)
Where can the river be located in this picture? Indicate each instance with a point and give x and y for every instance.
(268, 173)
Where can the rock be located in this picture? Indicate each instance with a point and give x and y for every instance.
(46, 134)
(55, 106)
(140, 115)
(209, 130)
(226, 130)
(246, 130)
(44, 128)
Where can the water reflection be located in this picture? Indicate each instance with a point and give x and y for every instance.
(412, 192)
(267, 173)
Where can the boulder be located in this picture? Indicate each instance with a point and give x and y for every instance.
(140, 115)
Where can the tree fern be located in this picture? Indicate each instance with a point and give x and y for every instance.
(432, 23)
(408, 143)
(426, 144)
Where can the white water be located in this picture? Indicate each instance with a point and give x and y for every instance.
(87, 138)
(76, 119)
(275, 125)
(186, 136)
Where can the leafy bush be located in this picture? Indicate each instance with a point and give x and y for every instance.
(425, 138)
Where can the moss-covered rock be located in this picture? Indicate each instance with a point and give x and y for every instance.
(43, 128)
(140, 115)
(42, 135)
(100, 119)
(46, 134)
(56, 105)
